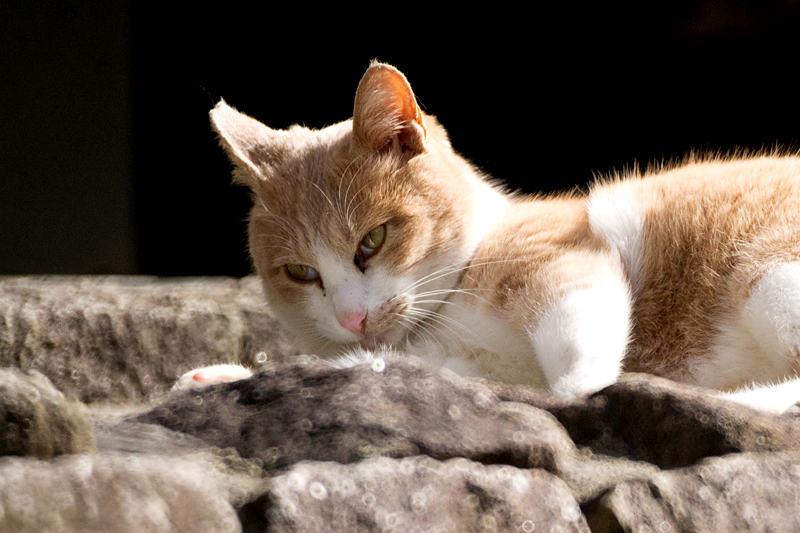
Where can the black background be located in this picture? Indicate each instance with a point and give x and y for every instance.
(108, 164)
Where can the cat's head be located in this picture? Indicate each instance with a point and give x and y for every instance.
(359, 229)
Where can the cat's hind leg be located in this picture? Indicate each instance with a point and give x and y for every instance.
(761, 344)
(774, 399)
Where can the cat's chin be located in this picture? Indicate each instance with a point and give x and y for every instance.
(386, 338)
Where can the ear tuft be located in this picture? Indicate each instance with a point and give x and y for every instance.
(386, 115)
(251, 146)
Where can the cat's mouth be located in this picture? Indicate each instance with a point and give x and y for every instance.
(385, 327)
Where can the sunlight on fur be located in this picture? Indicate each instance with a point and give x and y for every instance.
(374, 233)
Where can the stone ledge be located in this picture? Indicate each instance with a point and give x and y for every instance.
(302, 446)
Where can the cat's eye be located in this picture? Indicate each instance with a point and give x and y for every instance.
(302, 272)
(372, 242)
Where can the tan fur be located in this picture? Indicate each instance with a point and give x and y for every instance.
(539, 250)
(347, 192)
(712, 229)
(708, 231)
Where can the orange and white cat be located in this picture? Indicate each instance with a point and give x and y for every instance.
(373, 232)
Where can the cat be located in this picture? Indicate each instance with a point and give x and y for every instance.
(374, 232)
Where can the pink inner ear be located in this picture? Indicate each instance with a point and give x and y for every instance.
(387, 111)
(402, 97)
(201, 376)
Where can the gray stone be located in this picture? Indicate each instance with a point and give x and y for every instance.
(123, 339)
(417, 494)
(303, 446)
(668, 424)
(738, 492)
(86, 494)
(39, 421)
(315, 412)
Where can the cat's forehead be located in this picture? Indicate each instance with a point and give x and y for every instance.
(340, 201)
(348, 199)
(299, 142)
(299, 234)
(333, 212)
(302, 158)
(323, 172)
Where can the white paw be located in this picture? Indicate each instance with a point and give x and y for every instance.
(210, 375)
(581, 340)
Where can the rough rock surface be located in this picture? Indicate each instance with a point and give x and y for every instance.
(301, 446)
(111, 494)
(37, 420)
(418, 494)
(117, 339)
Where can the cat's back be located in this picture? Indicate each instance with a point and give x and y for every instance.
(694, 240)
(757, 185)
(702, 208)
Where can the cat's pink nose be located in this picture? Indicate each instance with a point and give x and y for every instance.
(355, 322)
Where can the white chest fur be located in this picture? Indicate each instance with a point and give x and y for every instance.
(472, 340)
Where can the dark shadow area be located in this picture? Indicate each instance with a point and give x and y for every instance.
(108, 164)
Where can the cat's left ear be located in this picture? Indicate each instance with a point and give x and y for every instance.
(386, 116)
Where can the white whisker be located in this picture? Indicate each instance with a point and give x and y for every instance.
(349, 211)
(433, 320)
(276, 237)
(286, 225)
(455, 268)
(347, 192)
(325, 195)
(421, 327)
(440, 318)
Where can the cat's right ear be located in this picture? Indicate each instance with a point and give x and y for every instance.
(251, 146)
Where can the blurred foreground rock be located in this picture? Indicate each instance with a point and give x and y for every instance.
(305, 447)
(38, 421)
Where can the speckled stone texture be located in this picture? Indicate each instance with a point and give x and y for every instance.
(302, 446)
(118, 339)
(37, 420)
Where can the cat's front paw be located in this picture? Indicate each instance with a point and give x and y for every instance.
(210, 375)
